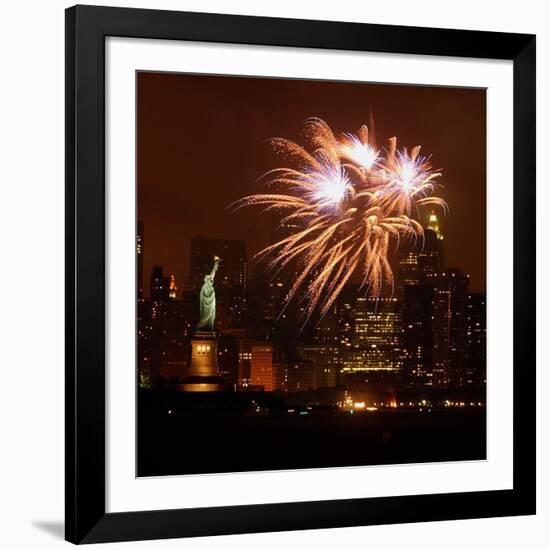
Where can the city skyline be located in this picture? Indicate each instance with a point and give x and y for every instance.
(433, 308)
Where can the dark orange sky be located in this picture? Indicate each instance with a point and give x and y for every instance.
(201, 145)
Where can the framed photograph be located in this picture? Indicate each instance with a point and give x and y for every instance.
(300, 274)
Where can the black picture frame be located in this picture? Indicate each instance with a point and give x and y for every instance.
(86, 29)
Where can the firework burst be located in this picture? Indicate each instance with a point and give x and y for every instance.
(347, 202)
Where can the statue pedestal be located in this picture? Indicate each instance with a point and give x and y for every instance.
(203, 373)
(204, 352)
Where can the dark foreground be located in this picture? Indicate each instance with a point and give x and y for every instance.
(179, 435)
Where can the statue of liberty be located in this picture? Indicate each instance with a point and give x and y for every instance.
(207, 299)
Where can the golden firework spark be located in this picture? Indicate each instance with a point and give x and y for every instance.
(347, 202)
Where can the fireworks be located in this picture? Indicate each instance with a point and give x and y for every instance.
(347, 202)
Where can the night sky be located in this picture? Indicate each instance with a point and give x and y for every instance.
(201, 146)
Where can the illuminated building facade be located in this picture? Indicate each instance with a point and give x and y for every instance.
(434, 330)
(295, 377)
(245, 360)
(140, 242)
(408, 269)
(323, 359)
(160, 285)
(345, 317)
(261, 366)
(417, 335)
(458, 284)
(476, 341)
(376, 342)
(172, 288)
(147, 354)
(173, 329)
(416, 265)
(433, 225)
(164, 329)
(430, 256)
(228, 359)
(381, 336)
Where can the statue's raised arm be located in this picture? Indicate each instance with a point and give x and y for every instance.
(215, 267)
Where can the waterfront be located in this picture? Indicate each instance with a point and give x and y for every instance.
(178, 437)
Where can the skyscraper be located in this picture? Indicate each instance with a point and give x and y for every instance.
(449, 326)
(375, 349)
(476, 341)
(434, 329)
(433, 224)
(139, 255)
(421, 261)
(148, 368)
(297, 376)
(164, 331)
(418, 335)
(160, 285)
(261, 366)
(172, 288)
(322, 360)
(381, 335)
(430, 255)
(228, 359)
(174, 330)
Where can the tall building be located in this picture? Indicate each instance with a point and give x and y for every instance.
(408, 270)
(269, 292)
(231, 277)
(174, 331)
(450, 303)
(172, 288)
(345, 315)
(235, 357)
(228, 359)
(245, 360)
(323, 360)
(261, 366)
(164, 330)
(151, 323)
(160, 285)
(430, 255)
(139, 256)
(382, 335)
(418, 335)
(147, 356)
(270, 316)
(476, 341)
(434, 330)
(422, 259)
(296, 376)
(376, 346)
(320, 350)
(433, 225)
